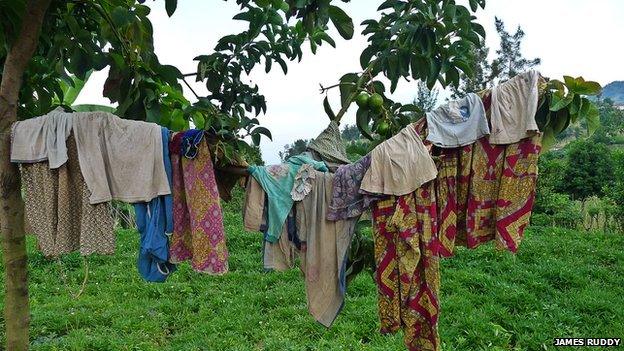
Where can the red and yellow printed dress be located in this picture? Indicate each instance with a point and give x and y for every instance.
(483, 192)
(486, 192)
(407, 274)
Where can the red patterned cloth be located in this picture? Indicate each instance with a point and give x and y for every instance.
(407, 275)
(483, 192)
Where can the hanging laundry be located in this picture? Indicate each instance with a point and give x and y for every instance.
(399, 165)
(277, 182)
(458, 123)
(58, 210)
(154, 221)
(407, 270)
(253, 207)
(501, 192)
(42, 139)
(120, 159)
(514, 104)
(329, 148)
(323, 261)
(347, 201)
(278, 256)
(198, 233)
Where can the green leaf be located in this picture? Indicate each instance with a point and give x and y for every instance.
(559, 101)
(342, 21)
(170, 6)
(262, 130)
(548, 139)
(592, 117)
(328, 109)
(587, 88)
(347, 86)
(92, 108)
(362, 120)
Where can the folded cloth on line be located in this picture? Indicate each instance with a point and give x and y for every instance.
(198, 233)
(323, 261)
(458, 123)
(58, 211)
(42, 139)
(120, 159)
(513, 108)
(277, 182)
(347, 201)
(399, 165)
(154, 220)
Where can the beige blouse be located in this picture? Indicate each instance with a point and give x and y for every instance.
(399, 165)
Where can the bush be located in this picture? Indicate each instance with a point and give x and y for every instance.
(555, 209)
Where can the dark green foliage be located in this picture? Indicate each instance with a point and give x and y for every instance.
(424, 40)
(589, 170)
(350, 133)
(481, 78)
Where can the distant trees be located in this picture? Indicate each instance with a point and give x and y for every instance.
(350, 132)
(426, 98)
(588, 171)
(296, 148)
(507, 64)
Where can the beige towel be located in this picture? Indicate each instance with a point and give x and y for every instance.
(399, 165)
(327, 242)
(120, 159)
(514, 104)
(279, 256)
(42, 139)
(254, 205)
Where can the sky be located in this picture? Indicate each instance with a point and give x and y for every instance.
(572, 37)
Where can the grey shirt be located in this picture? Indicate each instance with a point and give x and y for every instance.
(458, 123)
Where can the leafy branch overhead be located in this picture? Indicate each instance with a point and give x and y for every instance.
(277, 31)
(420, 40)
(566, 103)
(82, 36)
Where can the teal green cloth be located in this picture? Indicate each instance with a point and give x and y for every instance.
(277, 182)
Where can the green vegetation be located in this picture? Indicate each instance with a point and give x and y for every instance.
(581, 185)
(561, 283)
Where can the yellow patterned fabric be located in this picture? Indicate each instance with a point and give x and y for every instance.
(407, 273)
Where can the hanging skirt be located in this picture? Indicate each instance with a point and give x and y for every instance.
(198, 233)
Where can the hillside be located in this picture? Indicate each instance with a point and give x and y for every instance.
(614, 91)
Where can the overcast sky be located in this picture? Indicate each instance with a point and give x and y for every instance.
(573, 37)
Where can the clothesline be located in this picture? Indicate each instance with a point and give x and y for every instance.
(465, 175)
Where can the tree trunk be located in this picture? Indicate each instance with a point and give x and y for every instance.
(16, 310)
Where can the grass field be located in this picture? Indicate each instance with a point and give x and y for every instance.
(561, 283)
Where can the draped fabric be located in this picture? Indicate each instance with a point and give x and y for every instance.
(198, 233)
(58, 209)
(407, 273)
(482, 192)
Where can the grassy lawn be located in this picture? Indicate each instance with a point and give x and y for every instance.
(562, 283)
